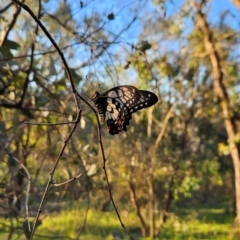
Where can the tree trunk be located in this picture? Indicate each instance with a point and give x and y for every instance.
(221, 92)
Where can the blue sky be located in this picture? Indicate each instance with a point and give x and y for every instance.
(220, 6)
(123, 10)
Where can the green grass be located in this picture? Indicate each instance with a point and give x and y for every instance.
(67, 224)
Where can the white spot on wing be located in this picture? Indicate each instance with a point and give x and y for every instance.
(109, 100)
(112, 94)
(115, 114)
(128, 94)
(120, 93)
(109, 108)
(108, 115)
(123, 100)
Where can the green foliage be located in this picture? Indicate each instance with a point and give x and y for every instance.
(75, 76)
(12, 44)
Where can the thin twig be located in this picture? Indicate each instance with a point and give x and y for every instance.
(28, 185)
(84, 221)
(11, 25)
(50, 181)
(24, 6)
(68, 181)
(28, 190)
(75, 96)
(5, 8)
(74, 127)
(106, 176)
(104, 167)
(50, 124)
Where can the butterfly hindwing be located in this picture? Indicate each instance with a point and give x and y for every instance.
(117, 105)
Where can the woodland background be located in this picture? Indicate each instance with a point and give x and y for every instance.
(175, 173)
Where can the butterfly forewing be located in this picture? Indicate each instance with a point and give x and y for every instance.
(113, 102)
(146, 100)
(117, 104)
(124, 95)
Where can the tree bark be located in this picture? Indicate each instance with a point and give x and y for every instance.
(236, 3)
(221, 92)
(137, 206)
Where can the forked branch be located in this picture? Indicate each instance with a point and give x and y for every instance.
(76, 95)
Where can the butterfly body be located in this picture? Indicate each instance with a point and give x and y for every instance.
(117, 105)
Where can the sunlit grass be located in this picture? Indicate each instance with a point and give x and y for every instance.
(201, 224)
(99, 225)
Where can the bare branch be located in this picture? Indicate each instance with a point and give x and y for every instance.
(6, 8)
(165, 122)
(24, 6)
(11, 25)
(50, 181)
(68, 181)
(236, 3)
(28, 185)
(50, 124)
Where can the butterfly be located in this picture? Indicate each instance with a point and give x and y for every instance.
(116, 105)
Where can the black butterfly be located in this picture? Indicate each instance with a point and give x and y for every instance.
(117, 105)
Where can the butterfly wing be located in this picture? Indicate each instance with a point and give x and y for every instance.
(146, 100)
(117, 105)
(112, 103)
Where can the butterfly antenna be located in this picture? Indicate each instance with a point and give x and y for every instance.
(86, 95)
(92, 84)
(87, 78)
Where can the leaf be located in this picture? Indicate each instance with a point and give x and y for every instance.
(223, 149)
(5, 52)
(111, 16)
(27, 113)
(144, 46)
(41, 101)
(52, 119)
(12, 45)
(11, 161)
(9, 63)
(61, 85)
(127, 65)
(76, 77)
(26, 228)
(52, 69)
(3, 137)
(237, 138)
